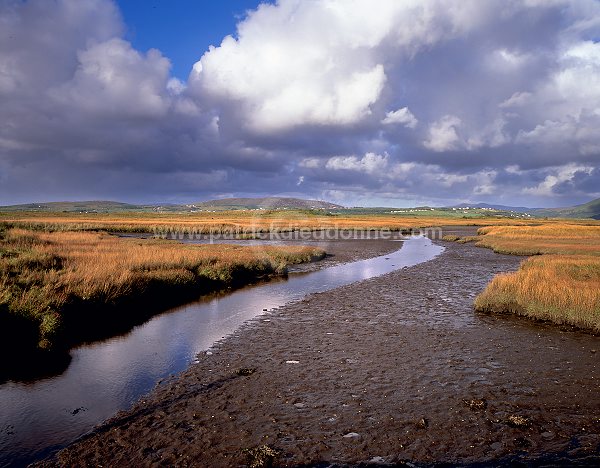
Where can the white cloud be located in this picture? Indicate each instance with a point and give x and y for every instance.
(504, 58)
(115, 79)
(442, 134)
(516, 100)
(576, 85)
(550, 131)
(176, 86)
(370, 163)
(401, 116)
(566, 108)
(446, 134)
(492, 136)
(310, 163)
(448, 180)
(345, 103)
(39, 40)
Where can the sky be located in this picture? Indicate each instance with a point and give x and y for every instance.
(413, 102)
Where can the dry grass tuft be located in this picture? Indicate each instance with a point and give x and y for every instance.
(562, 286)
(560, 238)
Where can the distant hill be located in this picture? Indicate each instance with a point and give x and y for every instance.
(275, 203)
(587, 210)
(267, 203)
(79, 206)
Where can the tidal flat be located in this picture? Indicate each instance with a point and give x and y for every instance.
(393, 369)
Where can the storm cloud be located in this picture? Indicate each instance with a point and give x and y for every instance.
(409, 102)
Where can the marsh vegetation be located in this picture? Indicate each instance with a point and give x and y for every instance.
(55, 283)
(560, 282)
(234, 222)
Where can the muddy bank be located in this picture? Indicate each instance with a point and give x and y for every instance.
(395, 368)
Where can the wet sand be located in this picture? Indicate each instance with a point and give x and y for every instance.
(392, 369)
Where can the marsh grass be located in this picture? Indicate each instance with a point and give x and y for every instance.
(561, 283)
(230, 222)
(560, 238)
(49, 280)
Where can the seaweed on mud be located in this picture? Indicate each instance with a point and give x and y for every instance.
(261, 456)
(476, 404)
(246, 371)
(518, 422)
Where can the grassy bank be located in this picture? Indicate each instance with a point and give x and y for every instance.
(57, 288)
(561, 283)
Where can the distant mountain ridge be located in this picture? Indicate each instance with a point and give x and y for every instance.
(586, 210)
(93, 206)
(76, 206)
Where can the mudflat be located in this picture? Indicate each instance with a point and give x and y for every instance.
(392, 369)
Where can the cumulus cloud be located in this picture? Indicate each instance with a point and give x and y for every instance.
(517, 99)
(113, 79)
(322, 96)
(401, 116)
(370, 163)
(443, 134)
(275, 88)
(39, 40)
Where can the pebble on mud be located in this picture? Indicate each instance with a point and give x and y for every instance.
(351, 435)
(422, 423)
